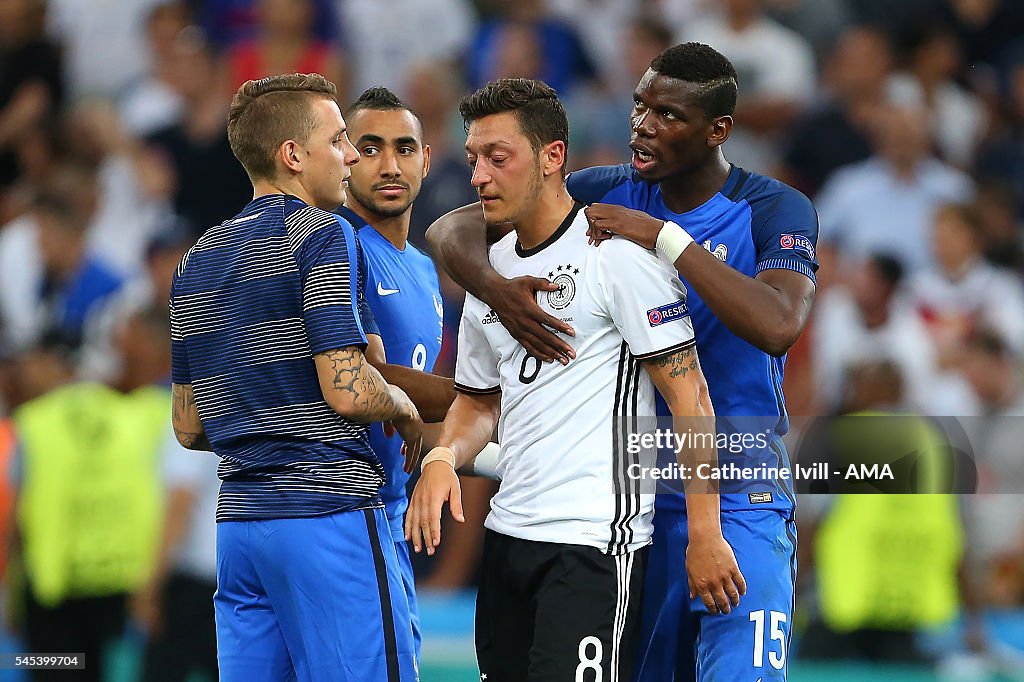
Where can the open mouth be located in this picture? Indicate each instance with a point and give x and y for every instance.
(643, 158)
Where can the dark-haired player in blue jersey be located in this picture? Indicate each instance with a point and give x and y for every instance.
(749, 292)
(401, 286)
(269, 371)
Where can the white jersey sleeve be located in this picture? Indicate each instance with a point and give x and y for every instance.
(476, 366)
(645, 299)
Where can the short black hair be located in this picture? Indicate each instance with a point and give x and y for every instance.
(379, 98)
(702, 64)
(534, 103)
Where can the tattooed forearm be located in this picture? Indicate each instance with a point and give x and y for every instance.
(193, 441)
(188, 427)
(679, 363)
(360, 387)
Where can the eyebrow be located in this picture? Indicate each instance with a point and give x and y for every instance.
(377, 139)
(491, 145)
(678, 111)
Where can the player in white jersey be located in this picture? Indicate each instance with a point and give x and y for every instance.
(564, 554)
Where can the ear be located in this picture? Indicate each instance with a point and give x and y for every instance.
(426, 160)
(721, 128)
(553, 157)
(291, 155)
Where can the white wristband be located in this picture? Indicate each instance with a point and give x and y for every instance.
(440, 453)
(672, 241)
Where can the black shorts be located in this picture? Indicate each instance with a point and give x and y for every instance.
(548, 612)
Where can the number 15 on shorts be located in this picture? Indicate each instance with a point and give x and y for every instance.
(775, 644)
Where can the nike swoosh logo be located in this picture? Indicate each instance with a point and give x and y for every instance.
(381, 291)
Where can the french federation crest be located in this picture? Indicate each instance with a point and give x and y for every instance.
(721, 252)
(563, 277)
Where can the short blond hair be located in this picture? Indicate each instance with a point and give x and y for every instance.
(266, 112)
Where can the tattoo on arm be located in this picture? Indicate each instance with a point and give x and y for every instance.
(352, 373)
(193, 441)
(679, 363)
(188, 429)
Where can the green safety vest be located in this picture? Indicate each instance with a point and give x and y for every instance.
(90, 503)
(890, 561)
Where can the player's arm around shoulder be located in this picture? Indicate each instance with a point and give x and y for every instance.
(188, 427)
(770, 309)
(459, 240)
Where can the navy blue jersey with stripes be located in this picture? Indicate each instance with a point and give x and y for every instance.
(404, 294)
(251, 304)
(753, 223)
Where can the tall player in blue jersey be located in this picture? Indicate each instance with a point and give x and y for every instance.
(749, 291)
(401, 286)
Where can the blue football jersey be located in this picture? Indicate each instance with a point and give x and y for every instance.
(753, 223)
(404, 295)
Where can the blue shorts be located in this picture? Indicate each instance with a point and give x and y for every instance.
(313, 599)
(681, 641)
(409, 582)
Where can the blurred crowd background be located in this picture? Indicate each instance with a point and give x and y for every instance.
(902, 121)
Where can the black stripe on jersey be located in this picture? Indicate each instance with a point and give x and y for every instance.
(387, 617)
(667, 351)
(461, 388)
(628, 408)
(617, 457)
(627, 505)
(634, 425)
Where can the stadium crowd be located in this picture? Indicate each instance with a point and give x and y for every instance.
(903, 122)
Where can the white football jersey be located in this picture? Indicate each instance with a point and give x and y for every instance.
(558, 463)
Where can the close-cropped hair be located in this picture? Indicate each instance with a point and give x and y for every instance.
(706, 67)
(266, 112)
(377, 98)
(534, 103)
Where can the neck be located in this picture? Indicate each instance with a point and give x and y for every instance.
(875, 317)
(928, 79)
(548, 212)
(393, 228)
(68, 263)
(956, 271)
(686, 191)
(904, 169)
(262, 188)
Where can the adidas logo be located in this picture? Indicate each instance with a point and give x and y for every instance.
(490, 318)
